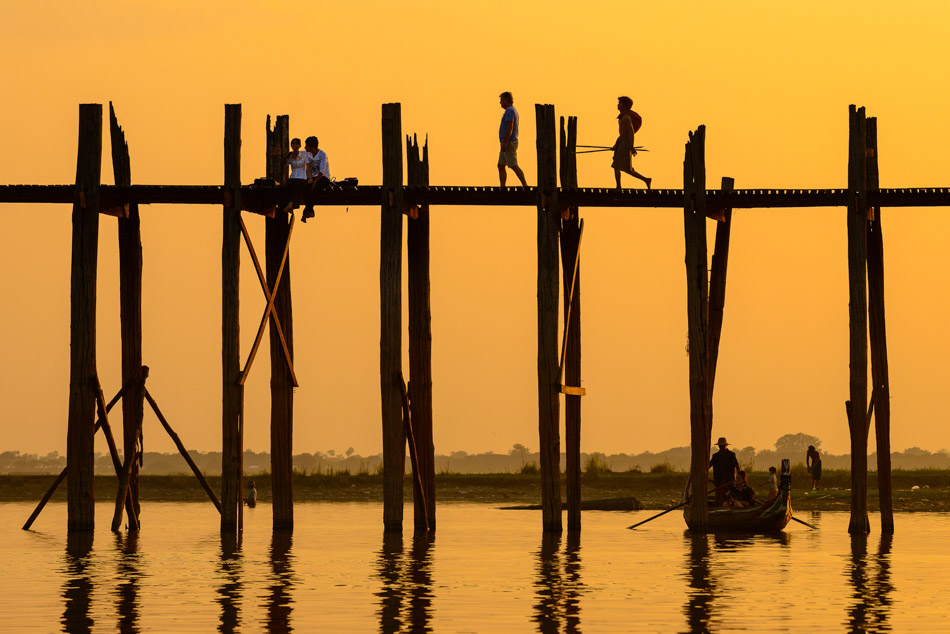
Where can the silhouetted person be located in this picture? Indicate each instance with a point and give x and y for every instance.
(251, 499)
(624, 149)
(296, 185)
(318, 173)
(740, 495)
(724, 465)
(813, 462)
(773, 484)
(508, 135)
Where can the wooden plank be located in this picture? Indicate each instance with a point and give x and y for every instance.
(420, 343)
(858, 318)
(694, 187)
(184, 452)
(390, 322)
(232, 391)
(548, 304)
(278, 231)
(130, 303)
(80, 448)
(881, 393)
(717, 298)
(572, 231)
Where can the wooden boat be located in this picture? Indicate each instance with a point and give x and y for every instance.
(769, 517)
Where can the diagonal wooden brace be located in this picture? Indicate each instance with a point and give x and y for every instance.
(269, 310)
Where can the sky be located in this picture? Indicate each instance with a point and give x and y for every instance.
(772, 86)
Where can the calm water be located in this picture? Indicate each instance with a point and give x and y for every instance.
(487, 570)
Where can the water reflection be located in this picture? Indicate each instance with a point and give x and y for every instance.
(230, 591)
(405, 598)
(279, 600)
(871, 584)
(127, 592)
(558, 587)
(699, 601)
(77, 591)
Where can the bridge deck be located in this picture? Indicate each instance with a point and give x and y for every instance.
(258, 197)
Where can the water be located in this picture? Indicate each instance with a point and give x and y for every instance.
(486, 570)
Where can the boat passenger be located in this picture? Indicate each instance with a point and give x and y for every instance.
(773, 484)
(740, 495)
(724, 465)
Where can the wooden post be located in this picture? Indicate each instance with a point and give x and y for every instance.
(549, 387)
(858, 311)
(277, 232)
(881, 394)
(694, 186)
(390, 318)
(130, 302)
(717, 299)
(570, 237)
(80, 449)
(420, 341)
(232, 391)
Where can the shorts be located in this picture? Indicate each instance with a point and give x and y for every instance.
(623, 157)
(816, 472)
(510, 156)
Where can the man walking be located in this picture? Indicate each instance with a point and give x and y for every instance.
(508, 135)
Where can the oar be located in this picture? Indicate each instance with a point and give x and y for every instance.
(814, 528)
(680, 505)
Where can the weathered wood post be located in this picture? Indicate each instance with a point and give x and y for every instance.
(80, 448)
(390, 318)
(858, 311)
(277, 232)
(130, 312)
(694, 190)
(717, 299)
(570, 237)
(420, 340)
(548, 380)
(881, 392)
(232, 390)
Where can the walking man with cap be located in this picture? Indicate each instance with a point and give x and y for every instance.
(724, 465)
(508, 136)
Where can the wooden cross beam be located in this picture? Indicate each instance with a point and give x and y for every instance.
(269, 309)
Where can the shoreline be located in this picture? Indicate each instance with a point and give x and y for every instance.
(654, 491)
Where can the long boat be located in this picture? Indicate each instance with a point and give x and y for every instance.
(769, 517)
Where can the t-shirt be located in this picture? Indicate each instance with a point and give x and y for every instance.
(724, 464)
(510, 115)
(298, 166)
(319, 163)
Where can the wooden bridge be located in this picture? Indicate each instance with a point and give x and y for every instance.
(407, 409)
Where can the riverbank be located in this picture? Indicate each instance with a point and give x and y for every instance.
(653, 490)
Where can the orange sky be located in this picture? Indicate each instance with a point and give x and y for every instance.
(772, 87)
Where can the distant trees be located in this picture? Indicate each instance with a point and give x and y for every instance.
(519, 450)
(792, 445)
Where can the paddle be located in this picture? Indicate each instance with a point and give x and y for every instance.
(680, 505)
(814, 528)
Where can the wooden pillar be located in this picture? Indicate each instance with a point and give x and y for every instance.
(570, 236)
(717, 299)
(694, 186)
(390, 318)
(858, 311)
(130, 311)
(277, 232)
(80, 450)
(548, 380)
(232, 391)
(881, 392)
(420, 342)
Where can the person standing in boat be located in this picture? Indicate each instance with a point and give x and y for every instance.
(724, 465)
(813, 462)
(773, 484)
(740, 495)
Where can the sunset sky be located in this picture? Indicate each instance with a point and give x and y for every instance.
(772, 85)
